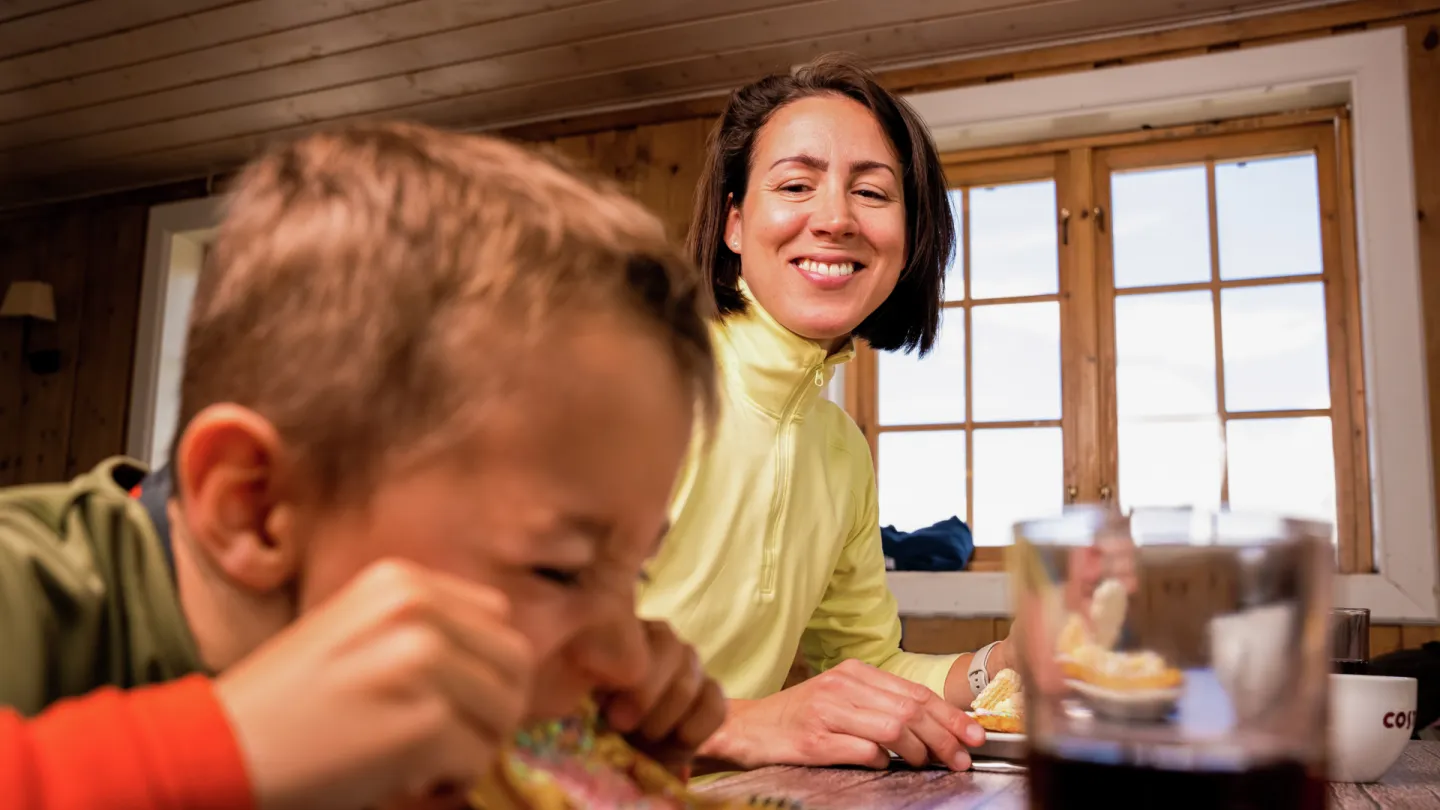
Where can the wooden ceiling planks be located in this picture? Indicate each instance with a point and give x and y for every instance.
(142, 91)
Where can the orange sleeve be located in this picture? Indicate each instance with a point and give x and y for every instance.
(166, 747)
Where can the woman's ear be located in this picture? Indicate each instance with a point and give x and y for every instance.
(238, 516)
(732, 228)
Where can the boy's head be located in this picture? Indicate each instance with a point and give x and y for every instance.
(416, 344)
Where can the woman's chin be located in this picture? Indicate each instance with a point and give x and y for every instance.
(822, 330)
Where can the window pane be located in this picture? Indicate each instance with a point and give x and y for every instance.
(1268, 212)
(1165, 354)
(1285, 465)
(1275, 350)
(1161, 222)
(1012, 240)
(921, 478)
(911, 391)
(1019, 474)
(955, 273)
(1170, 463)
(1017, 361)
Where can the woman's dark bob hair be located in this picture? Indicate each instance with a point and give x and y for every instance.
(910, 317)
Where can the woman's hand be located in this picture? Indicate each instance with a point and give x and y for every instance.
(849, 715)
(675, 709)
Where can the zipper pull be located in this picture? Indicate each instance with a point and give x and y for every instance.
(820, 376)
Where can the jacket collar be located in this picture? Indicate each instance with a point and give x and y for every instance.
(779, 371)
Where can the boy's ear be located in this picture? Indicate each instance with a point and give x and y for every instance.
(239, 519)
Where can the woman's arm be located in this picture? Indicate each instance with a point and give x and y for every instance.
(859, 617)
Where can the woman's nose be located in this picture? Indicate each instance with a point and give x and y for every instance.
(833, 216)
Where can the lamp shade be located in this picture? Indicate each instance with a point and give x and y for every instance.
(33, 299)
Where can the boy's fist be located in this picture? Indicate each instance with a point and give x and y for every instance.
(407, 681)
(675, 708)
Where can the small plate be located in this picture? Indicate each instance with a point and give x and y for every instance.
(999, 745)
(1147, 705)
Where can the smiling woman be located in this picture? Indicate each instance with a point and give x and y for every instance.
(822, 218)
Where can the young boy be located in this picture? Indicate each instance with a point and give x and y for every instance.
(435, 395)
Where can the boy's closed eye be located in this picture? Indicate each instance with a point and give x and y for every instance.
(568, 578)
(564, 577)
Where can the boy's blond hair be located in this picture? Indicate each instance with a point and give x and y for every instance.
(371, 286)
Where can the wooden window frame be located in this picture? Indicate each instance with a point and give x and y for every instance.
(1081, 168)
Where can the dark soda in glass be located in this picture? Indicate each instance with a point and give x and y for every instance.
(1061, 784)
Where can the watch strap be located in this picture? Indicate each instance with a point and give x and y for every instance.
(979, 677)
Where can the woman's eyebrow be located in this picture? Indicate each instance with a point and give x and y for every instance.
(821, 164)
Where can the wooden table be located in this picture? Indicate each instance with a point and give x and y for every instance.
(1413, 782)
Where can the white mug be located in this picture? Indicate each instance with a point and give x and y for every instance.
(1371, 720)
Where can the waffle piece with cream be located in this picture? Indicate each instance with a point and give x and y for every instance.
(1121, 671)
(1001, 707)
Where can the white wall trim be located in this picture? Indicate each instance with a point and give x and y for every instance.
(1373, 65)
(172, 226)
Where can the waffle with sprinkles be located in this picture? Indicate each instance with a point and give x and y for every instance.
(576, 763)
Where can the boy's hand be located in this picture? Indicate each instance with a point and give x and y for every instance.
(404, 683)
(675, 709)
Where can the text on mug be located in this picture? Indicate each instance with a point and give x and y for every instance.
(1400, 719)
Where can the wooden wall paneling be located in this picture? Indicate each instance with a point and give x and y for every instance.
(18, 238)
(1423, 45)
(48, 398)
(659, 165)
(77, 21)
(104, 364)
(669, 160)
(1002, 628)
(190, 48)
(1384, 638)
(943, 635)
(386, 44)
(1413, 636)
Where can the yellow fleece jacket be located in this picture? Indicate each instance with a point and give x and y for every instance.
(775, 537)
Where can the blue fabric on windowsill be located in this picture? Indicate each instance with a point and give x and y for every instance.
(945, 546)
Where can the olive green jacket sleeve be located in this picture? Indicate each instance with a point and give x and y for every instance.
(87, 597)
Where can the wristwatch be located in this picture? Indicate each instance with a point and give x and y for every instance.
(979, 678)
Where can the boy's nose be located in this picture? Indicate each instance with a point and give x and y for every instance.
(616, 655)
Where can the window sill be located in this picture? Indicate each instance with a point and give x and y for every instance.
(979, 594)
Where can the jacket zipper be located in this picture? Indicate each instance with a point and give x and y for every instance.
(770, 552)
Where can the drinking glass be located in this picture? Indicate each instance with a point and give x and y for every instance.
(1350, 640)
(1173, 658)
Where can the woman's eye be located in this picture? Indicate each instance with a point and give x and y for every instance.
(559, 576)
(872, 194)
(795, 188)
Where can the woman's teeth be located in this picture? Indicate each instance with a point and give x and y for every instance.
(824, 269)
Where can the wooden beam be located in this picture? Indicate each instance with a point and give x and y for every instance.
(1097, 54)
(708, 107)
(1102, 53)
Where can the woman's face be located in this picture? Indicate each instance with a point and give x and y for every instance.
(821, 232)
